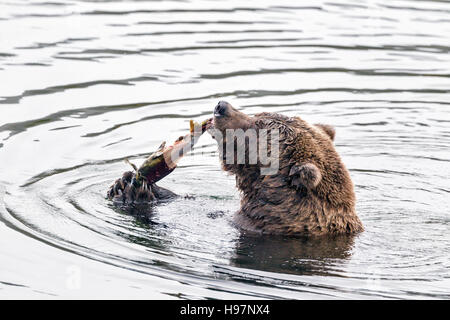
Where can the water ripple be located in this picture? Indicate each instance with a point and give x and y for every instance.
(89, 84)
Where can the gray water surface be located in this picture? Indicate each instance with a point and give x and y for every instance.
(86, 84)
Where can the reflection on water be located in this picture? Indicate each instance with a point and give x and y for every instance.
(292, 255)
(87, 84)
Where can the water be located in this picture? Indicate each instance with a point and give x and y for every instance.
(86, 84)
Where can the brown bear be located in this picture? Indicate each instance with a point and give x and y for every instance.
(311, 193)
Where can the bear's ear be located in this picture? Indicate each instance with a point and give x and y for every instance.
(329, 130)
(307, 175)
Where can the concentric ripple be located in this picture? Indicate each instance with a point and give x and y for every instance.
(89, 84)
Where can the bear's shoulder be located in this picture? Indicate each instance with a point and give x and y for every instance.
(271, 120)
(274, 120)
(289, 127)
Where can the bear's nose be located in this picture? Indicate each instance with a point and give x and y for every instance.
(220, 109)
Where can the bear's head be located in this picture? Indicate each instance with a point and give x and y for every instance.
(248, 144)
(238, 137)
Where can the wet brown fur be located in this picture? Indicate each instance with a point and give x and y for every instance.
(312, 193)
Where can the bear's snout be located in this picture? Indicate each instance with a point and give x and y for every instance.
(221, 109)
(227, 117)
